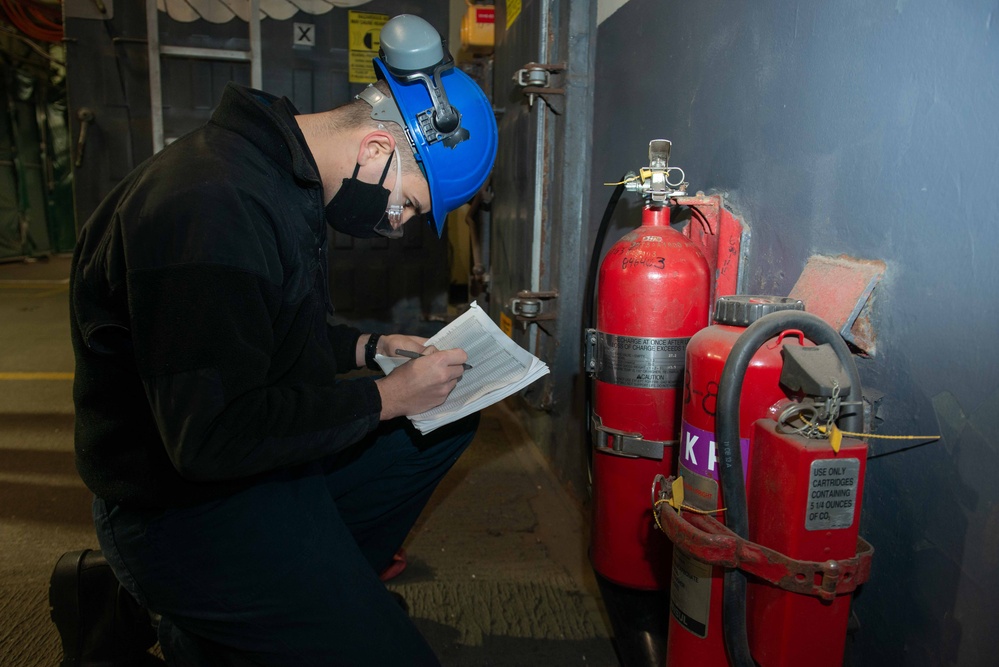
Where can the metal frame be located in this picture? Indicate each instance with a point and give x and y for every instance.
(156, 50)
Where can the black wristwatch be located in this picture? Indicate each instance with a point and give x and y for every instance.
(370, 348)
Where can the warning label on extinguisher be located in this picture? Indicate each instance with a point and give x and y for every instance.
(647, 363)
(690, 593)
(832, 494)
(690, 588)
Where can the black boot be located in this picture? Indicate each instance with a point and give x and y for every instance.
(99, 622)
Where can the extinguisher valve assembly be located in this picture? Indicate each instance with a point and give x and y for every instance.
(654, 182)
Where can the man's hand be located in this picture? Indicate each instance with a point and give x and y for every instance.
(388, 344)
(421, 384)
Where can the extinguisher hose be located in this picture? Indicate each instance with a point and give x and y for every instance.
(589, 321)
(733, 483)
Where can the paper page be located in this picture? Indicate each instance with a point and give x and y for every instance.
(500, 367)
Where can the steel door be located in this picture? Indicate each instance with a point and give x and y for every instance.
(540, 239)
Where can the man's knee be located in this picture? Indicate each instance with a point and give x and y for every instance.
(456, 436)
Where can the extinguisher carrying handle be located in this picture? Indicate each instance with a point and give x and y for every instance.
(706, 539)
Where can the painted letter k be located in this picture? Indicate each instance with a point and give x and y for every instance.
(688, 451)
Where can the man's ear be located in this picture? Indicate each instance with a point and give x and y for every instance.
(374, 146)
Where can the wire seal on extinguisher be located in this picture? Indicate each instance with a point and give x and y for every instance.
(674, 498)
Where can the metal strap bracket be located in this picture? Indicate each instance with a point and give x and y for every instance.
(709, 541)
(627, 444)
(590, 352)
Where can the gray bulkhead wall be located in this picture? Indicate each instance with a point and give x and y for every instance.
(870, 129)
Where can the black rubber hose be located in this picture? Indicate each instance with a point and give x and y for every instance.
(598, 244)
(589, 308)
(733, 483)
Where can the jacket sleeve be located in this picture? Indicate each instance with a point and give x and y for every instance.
(229, 331)
(344, 341)
(205, 349)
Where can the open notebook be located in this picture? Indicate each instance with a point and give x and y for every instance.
(500, 368)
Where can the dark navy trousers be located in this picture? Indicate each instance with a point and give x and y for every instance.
(286, 571)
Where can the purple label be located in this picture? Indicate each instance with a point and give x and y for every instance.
(697, 451)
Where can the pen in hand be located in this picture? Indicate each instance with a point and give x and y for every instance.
(417, 355)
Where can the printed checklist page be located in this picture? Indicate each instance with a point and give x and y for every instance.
(500, 368)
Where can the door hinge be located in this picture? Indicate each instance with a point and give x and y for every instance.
(536, 80)
(534, 306)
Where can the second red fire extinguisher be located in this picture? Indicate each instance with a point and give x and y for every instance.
(789, 547)
(696, 591)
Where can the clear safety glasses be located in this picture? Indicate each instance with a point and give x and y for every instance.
(390, 226)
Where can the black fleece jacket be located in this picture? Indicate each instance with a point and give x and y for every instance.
(200, 318)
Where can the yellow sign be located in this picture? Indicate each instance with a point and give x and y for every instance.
(512, 12)
(506, 324)
(364, 29)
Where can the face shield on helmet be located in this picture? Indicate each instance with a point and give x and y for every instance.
(449, 121)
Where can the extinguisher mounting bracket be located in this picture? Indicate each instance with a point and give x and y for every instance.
(706, 539)
(627, 444)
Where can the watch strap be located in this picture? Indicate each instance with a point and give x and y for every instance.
(370, 348)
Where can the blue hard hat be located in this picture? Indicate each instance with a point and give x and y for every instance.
(453, 131)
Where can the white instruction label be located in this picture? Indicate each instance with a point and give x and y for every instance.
(832, 494)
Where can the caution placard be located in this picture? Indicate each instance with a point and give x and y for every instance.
(512, 12)
(363, 31)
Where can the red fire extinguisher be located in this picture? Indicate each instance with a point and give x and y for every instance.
(696, 595)
(652, 296)
(798, 532)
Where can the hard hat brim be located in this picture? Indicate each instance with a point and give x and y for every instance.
(455, 172)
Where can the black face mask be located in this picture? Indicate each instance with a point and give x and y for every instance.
(358, 206)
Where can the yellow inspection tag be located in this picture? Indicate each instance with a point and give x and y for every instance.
(835, 438)
(676, 502)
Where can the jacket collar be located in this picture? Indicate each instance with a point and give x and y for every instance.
(252, 114)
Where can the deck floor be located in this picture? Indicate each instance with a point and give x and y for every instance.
(497, 572)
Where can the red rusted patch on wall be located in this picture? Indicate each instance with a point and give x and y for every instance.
(840, 290)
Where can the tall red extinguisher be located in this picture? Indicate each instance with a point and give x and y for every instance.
(652, 296)
(791, 489)
(696, 592)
